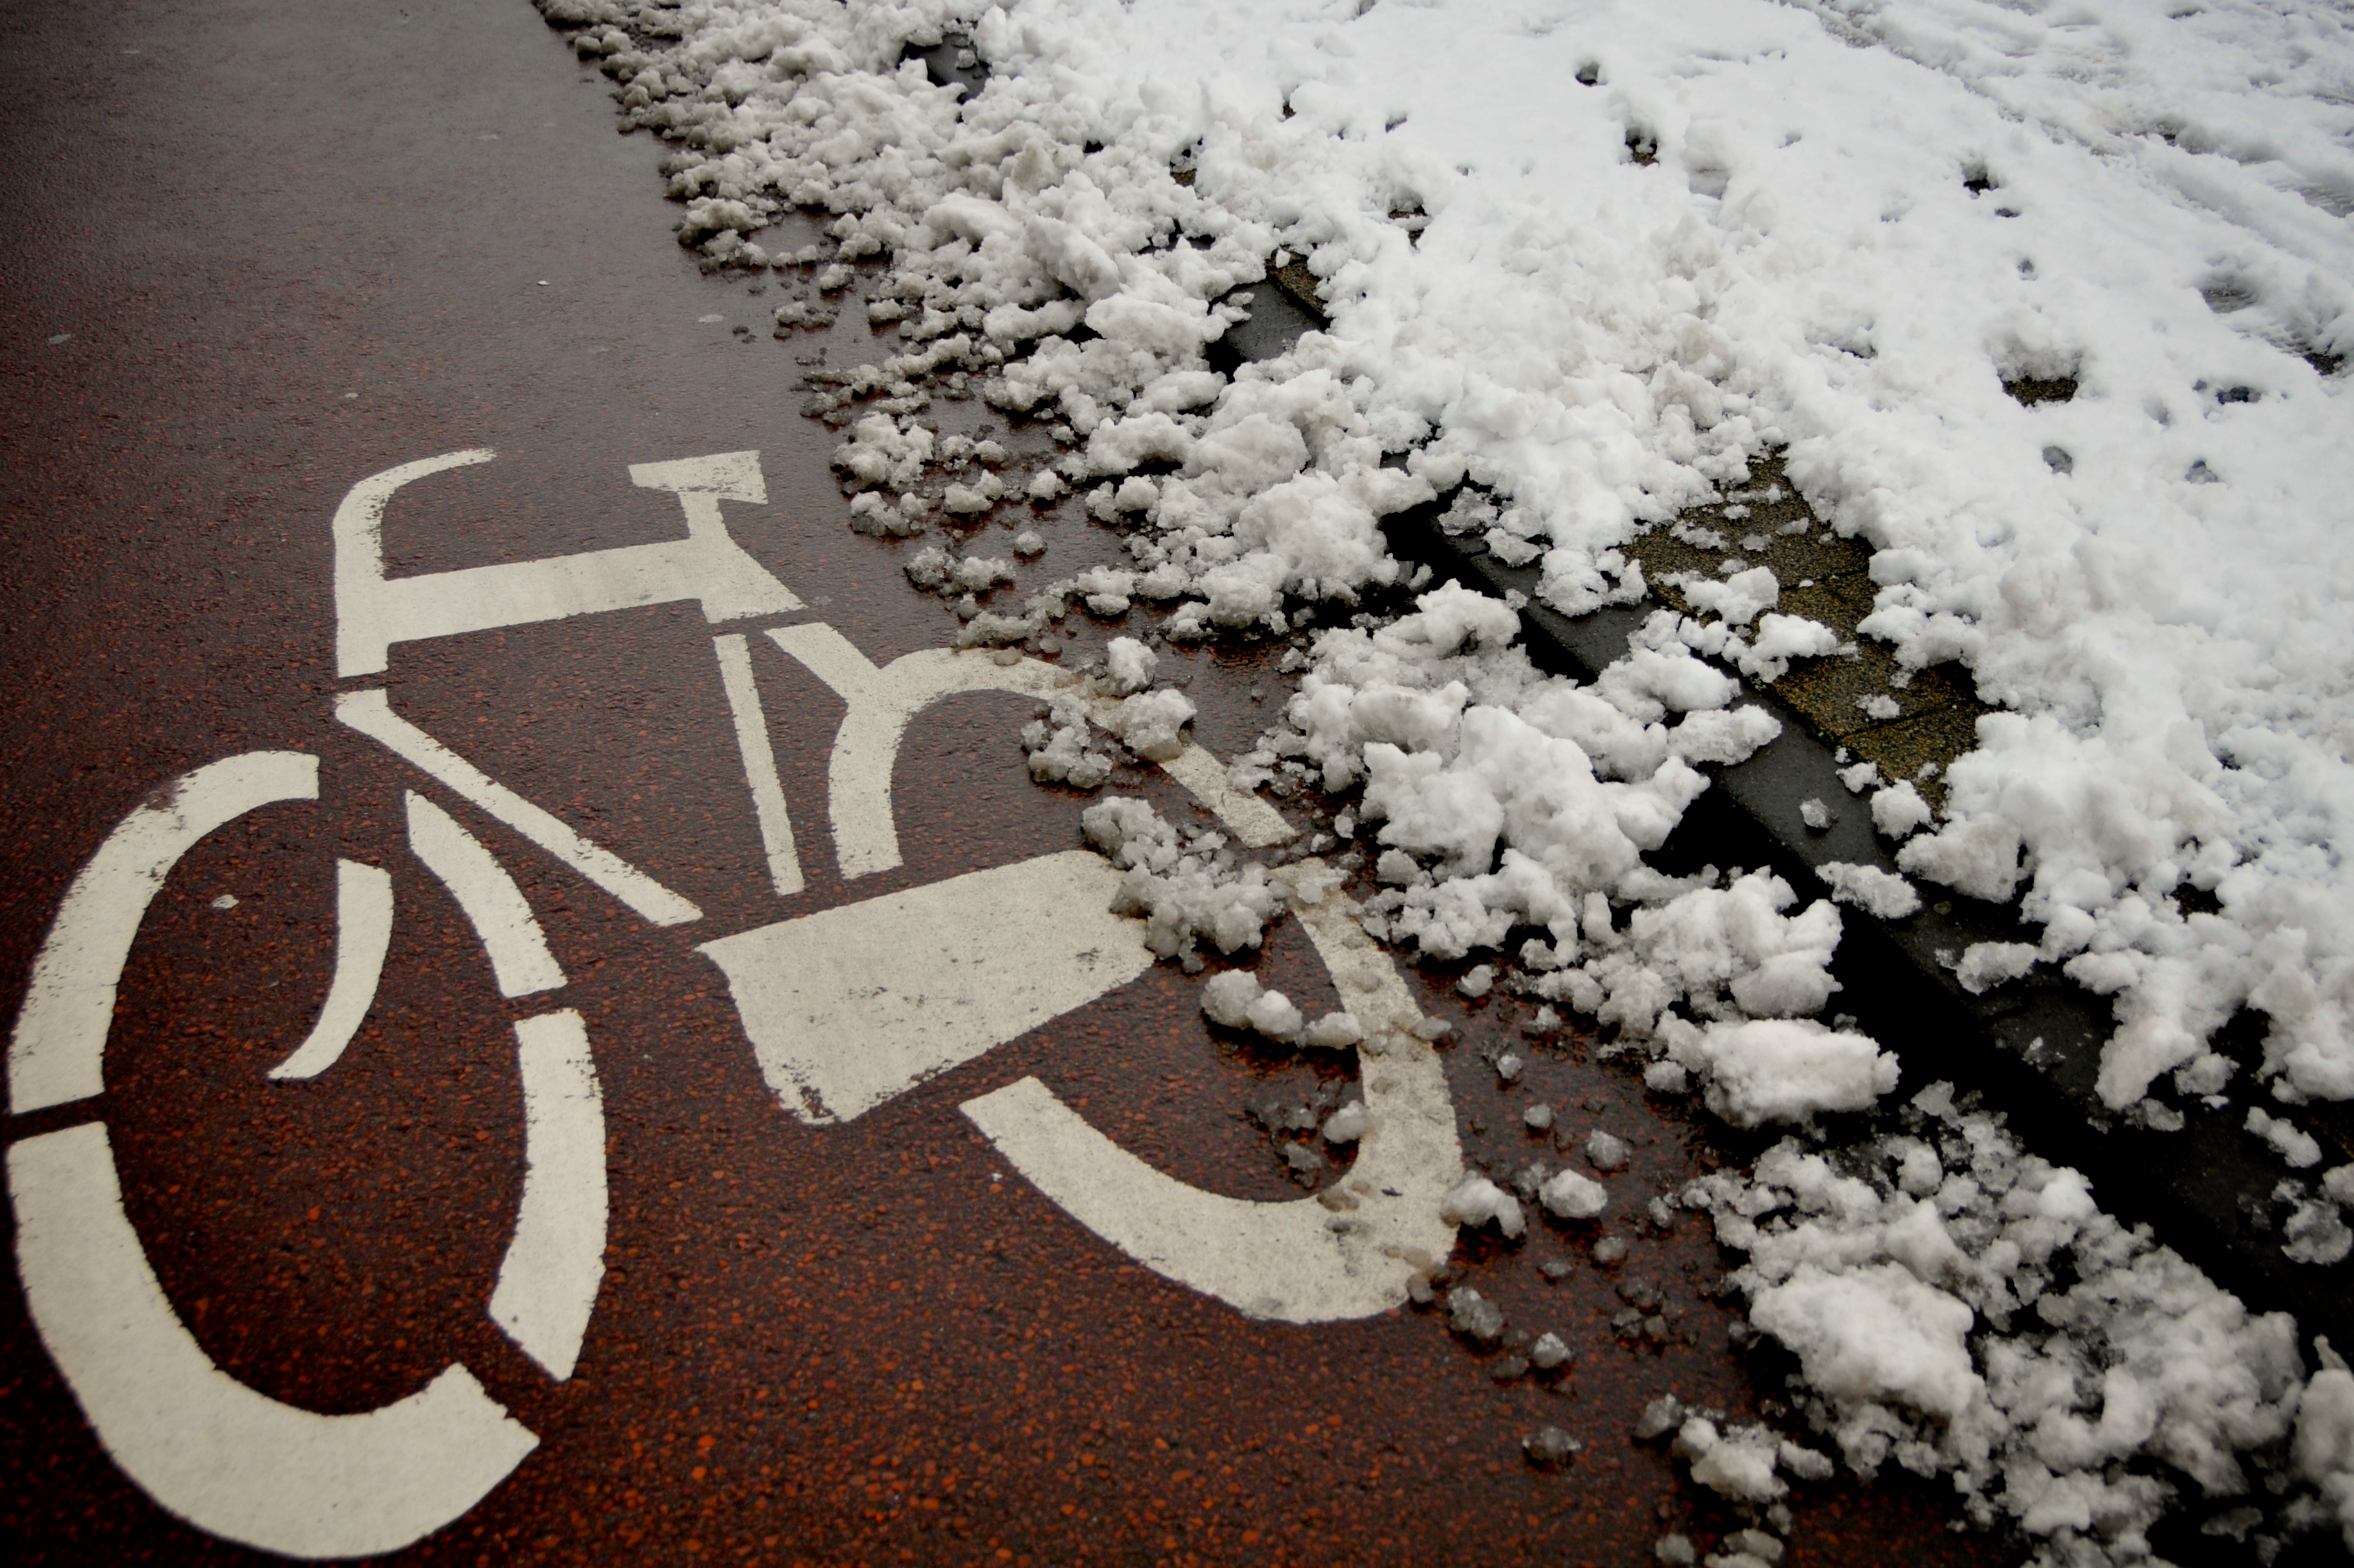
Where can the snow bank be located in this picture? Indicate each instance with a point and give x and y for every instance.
(2149, 207)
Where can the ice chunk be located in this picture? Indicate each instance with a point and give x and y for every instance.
(1738, 1464)
(870, 514)
(1780, 639)
(1348, 1124)
(1878, 892)
(1775, 1069)
(1875, 1334)
(1227, 998)
(1571, 1196)
(1059, 754)
(2318, 1233)
(1333, 1031)
(1659, 1417)
(1606, 1151)
(1737, 598)
(1477, 1201)
(1473, 1316)
(1149, 723)
(1537, 1117)
(1272, 1014)
(1550, 1446)
(1667, 1078)
(1899, 810)
(2291, 1142)
(1128, 665)
(1985, 965)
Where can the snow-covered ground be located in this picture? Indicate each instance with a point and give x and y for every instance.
(1595, 258)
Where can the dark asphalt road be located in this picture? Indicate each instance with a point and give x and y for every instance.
(257, 253)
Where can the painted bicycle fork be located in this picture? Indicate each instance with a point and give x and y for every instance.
(836, 1032)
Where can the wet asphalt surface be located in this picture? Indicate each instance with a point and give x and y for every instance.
(257, 253)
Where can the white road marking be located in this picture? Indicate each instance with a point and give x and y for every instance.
(760, 762)
(370, 712)
(225, 1459)
(372, 611)
(56, 1052)
(882, 701)
(854, 1005)
(1298, 1261)
(548, 1279)
(1248, 818)
(362, 934)
(492, 904)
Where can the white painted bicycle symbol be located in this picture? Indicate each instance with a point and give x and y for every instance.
(836, 1033)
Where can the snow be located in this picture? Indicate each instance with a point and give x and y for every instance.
(1899, 810)
(1856, 224)
(1965, 1308)
(1476, 1202)
(1573, 1197)
(1227, 997)
(2324, 1445)
(1878, 892)
(2292, 1143)
(1875, 1335)
(1985, 965)
(1333, 1031)
(1781, 1069)
(1820, 257)
(1128, 665)
(1149, 723)
(1737, 1464)
(1185, 890)
(1348, 1124)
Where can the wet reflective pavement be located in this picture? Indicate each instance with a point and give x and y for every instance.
(260, 253)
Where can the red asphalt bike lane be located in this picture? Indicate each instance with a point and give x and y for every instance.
(258, 253)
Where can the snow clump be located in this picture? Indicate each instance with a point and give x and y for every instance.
(1476, 1202)
(1186, 890)
(1965, 1308)
(1881, 893)
(1237, 1000)
(1058, 749)
(1129, 666)
(1573, 1197)
(1149, 722)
